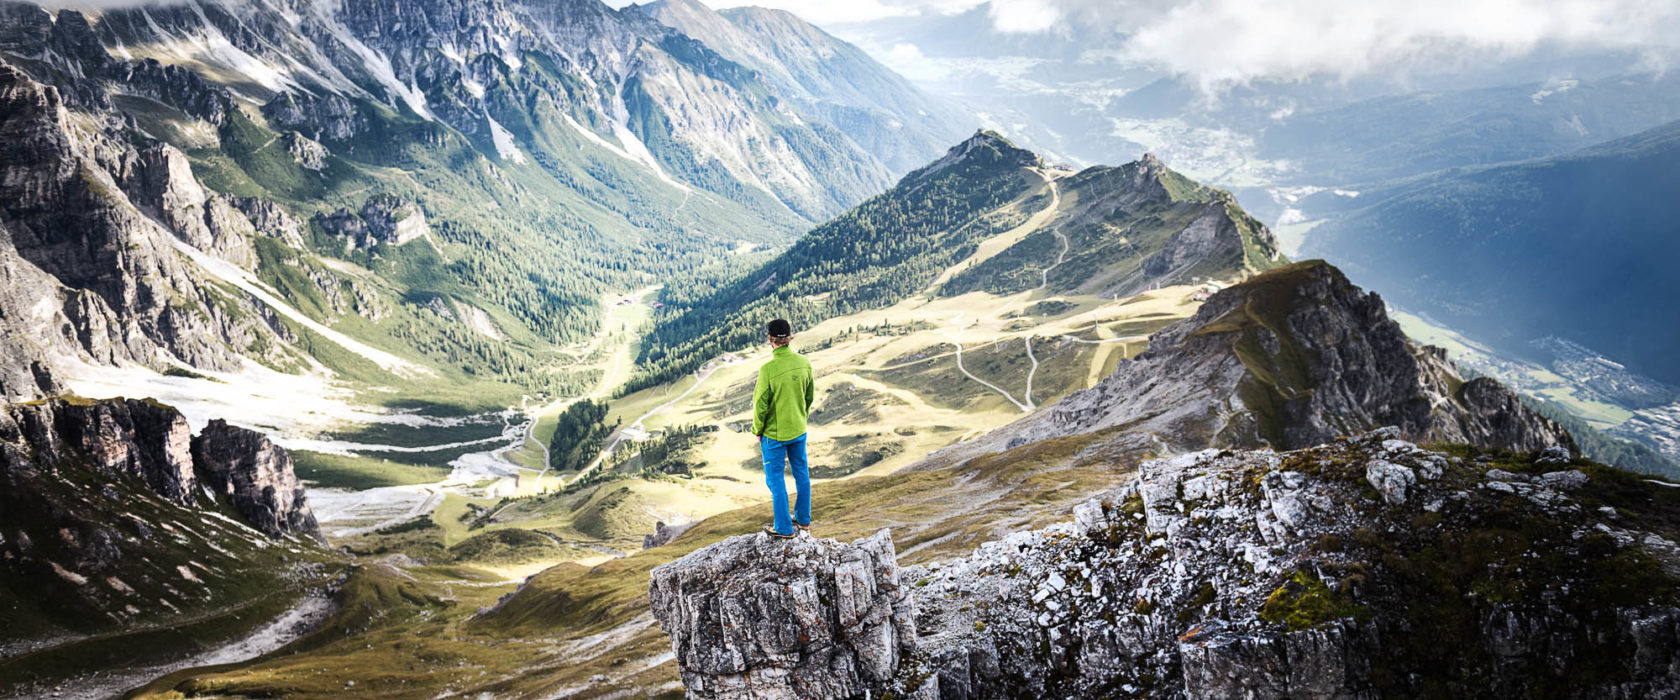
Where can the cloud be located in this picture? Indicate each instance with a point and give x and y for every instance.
(1218, 43)
(1023, 16)
(824, 12)
(1224, 42)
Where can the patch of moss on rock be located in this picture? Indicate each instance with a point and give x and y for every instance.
(1304, 601)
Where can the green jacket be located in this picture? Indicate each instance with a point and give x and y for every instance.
(783, 396)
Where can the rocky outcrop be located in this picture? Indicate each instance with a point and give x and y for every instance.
(33, 325)
(271, 220)
(757, 617)
(329, 117)
(164, 183)
(257, 478)
(306, 152)
(382, 219)
(117, 438)
(113, 516)
(663, 534)
(1290, 358)
(1363, 568)
(151, 442)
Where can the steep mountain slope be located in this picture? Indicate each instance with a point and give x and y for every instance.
(117, 523)
(1120, 230)
(487, 170)
(1290, 358)
(496, 70)
(72, 206)
(1127, 229)
(1574, 246)
(891, 119)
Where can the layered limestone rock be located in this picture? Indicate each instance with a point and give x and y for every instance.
(116, 438)
(758, 617)
(257, 478)
(1290, 358)
(1363, 568)
(97, 216)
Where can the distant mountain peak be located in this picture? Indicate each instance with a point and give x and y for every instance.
(986, 148)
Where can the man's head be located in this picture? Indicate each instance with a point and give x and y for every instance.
(780, 332)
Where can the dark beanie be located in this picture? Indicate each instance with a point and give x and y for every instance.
(779, 328)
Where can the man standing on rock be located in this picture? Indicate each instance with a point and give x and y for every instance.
(781, 402)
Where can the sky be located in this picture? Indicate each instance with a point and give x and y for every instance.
(1224, 42)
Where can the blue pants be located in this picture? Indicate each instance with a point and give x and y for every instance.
(776, 453)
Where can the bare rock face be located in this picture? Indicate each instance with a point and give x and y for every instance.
(257, 477)
(663, 534)
(331, 117)
(99, 216)
(1367, 567)
(152, 442)
(758, 617)
(1290, 358)
(382, 218)
(109, 521)
(119, 437)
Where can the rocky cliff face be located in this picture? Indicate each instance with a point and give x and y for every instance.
(151, 442)
(662, 100)
(1366, 567)
(1288, 359)
(382, 219)
(112, 512)
(754, 616)
(99, 216)
(1363, 568)
(257, 478)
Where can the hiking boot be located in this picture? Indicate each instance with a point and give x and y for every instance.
(804, 528)
(770, 529)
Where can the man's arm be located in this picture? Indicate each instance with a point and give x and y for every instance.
(761, 405)
(810, 391)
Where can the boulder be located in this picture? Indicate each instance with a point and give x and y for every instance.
(759, 617)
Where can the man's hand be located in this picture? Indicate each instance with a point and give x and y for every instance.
(754, 437)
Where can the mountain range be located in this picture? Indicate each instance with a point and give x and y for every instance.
(439, 325)
(508, 162)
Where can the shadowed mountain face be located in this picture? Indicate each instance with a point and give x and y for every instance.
(1577, 246)
(1288, 359)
